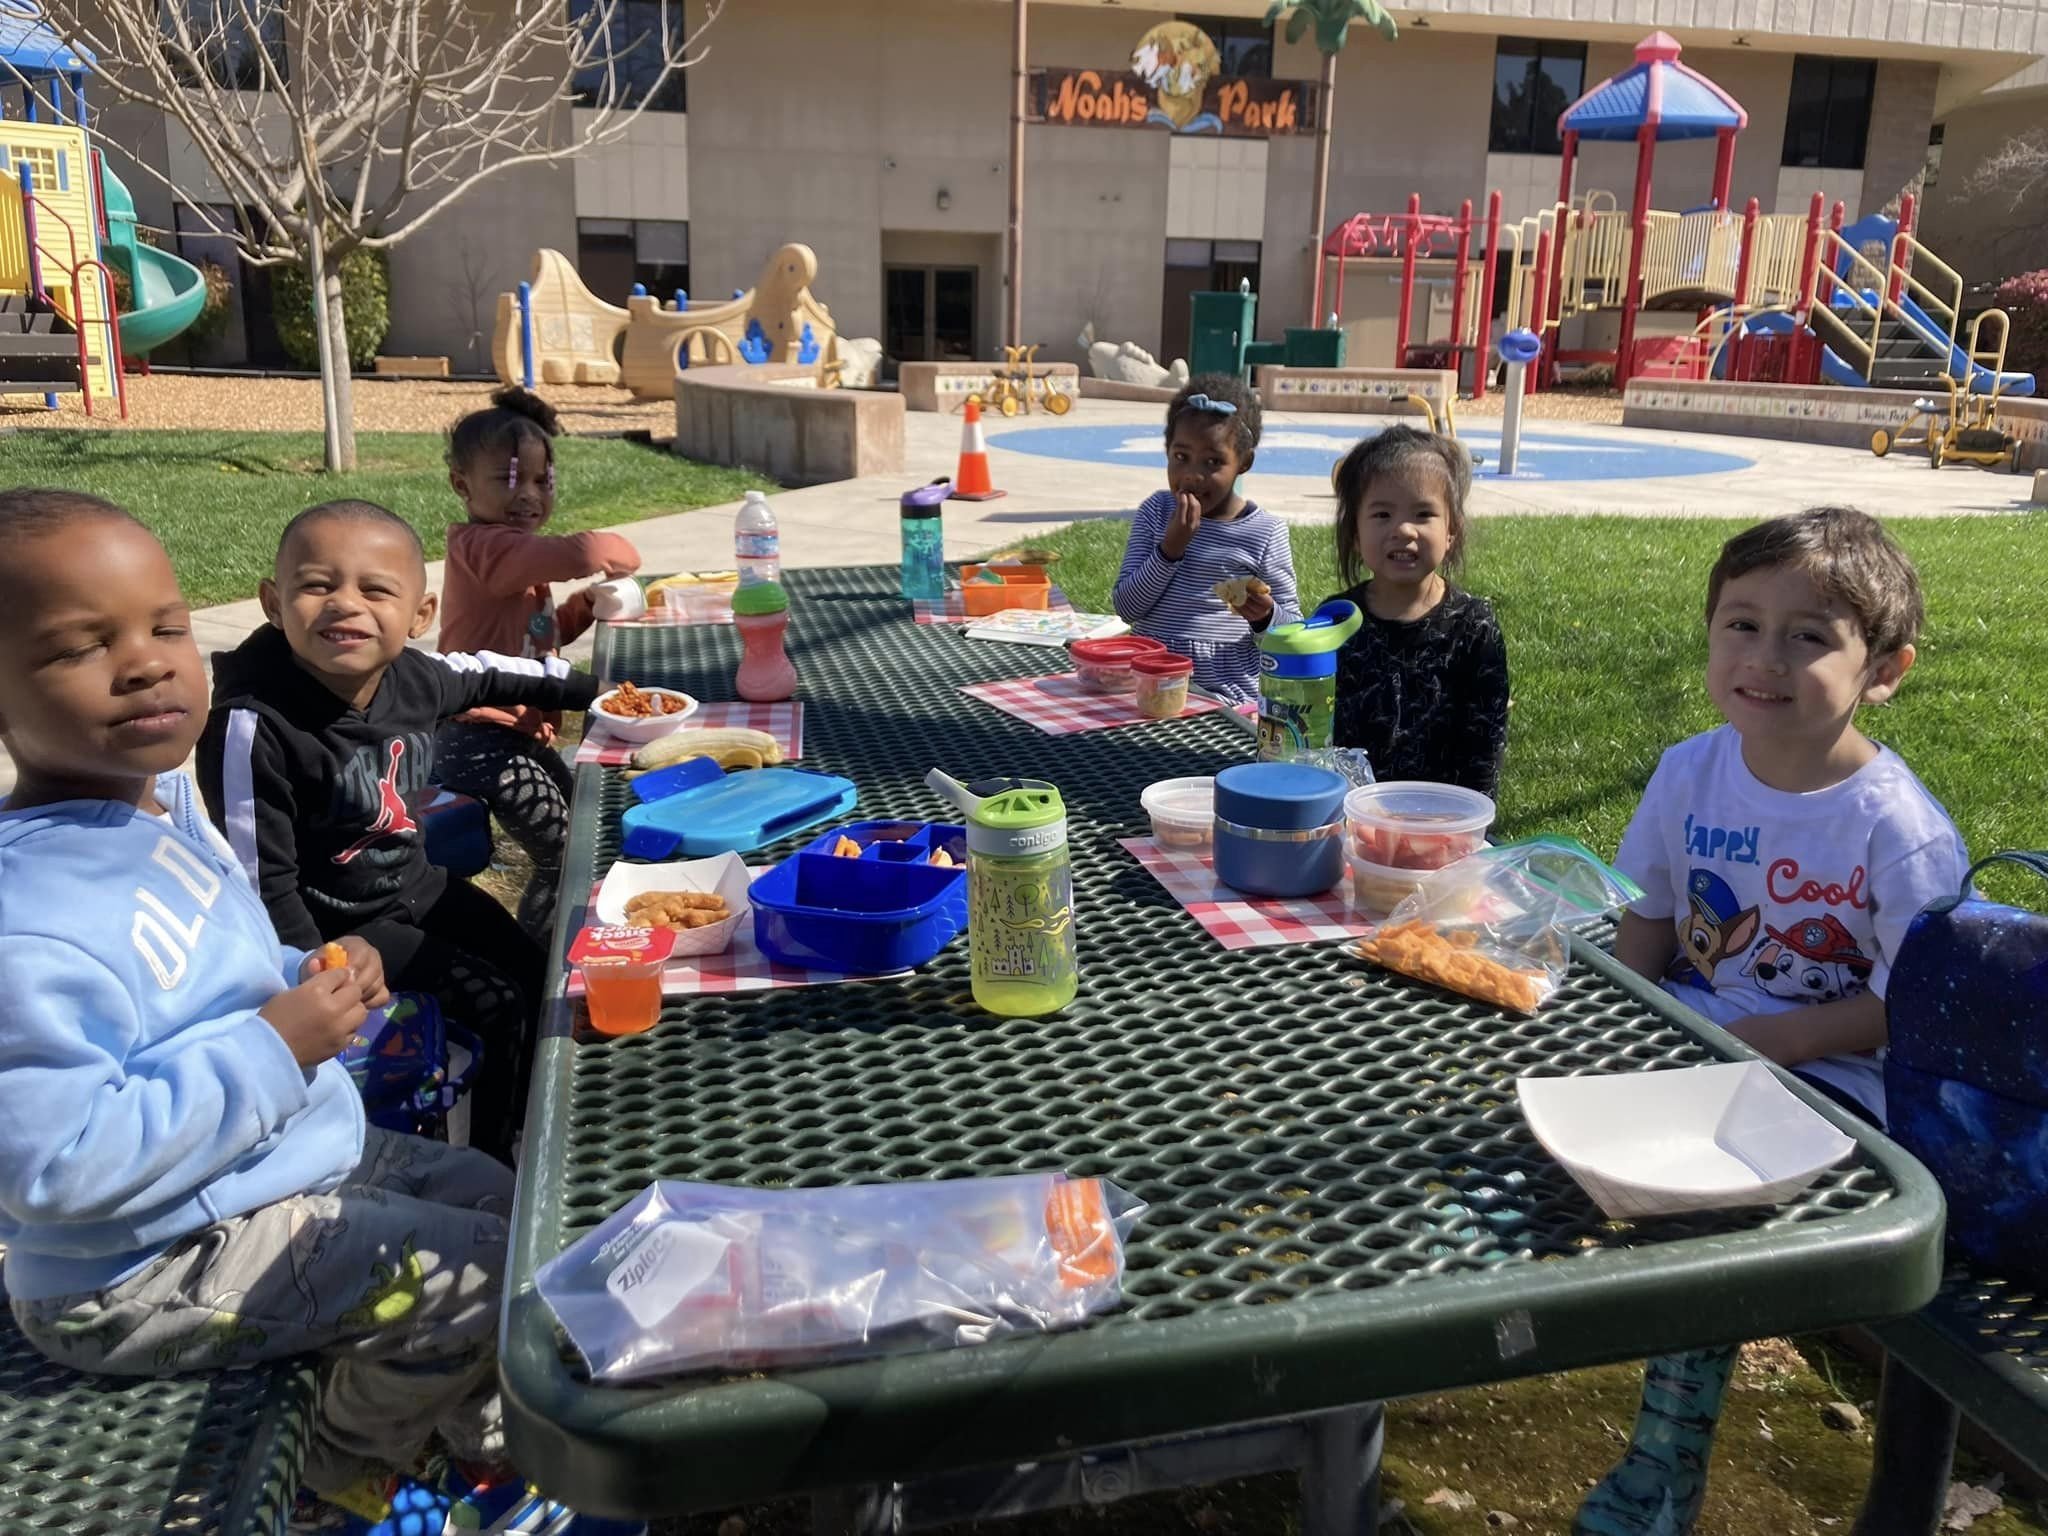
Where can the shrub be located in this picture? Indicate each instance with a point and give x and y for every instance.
(365, 302)
(212, 323)
(2025, 298)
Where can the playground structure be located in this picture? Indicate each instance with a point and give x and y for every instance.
(554, 330)
(67, 225)
(1780, 298)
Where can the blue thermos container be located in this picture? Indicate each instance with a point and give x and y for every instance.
(924, 542)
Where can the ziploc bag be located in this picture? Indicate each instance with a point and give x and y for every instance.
(707, 1276)
(1494, 925)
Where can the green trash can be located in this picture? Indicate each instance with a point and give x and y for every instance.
(1264, 354)
(1315, 347)
(1220, 331)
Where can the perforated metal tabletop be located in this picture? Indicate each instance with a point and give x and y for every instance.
(1344, 1200)
(212, 1454)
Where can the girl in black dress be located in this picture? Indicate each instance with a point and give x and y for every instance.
(1423, 685)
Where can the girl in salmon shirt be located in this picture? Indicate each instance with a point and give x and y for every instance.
(496, 597)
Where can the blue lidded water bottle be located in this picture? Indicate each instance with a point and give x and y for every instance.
(924, 542)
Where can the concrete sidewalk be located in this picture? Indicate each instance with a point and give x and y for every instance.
(855, 522)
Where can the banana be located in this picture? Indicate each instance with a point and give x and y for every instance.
(731, 746)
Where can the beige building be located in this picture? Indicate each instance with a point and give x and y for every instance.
(877, 131)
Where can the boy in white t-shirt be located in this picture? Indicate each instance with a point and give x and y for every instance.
(1782, 855)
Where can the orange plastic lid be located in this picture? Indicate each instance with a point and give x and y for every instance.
(1166, 664)
(1117, 651)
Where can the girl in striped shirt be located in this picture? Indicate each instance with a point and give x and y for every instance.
(1198, 534)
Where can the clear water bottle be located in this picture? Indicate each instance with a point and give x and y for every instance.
(756, 542)
(924, 542)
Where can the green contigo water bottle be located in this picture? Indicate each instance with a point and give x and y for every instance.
(1020, 894)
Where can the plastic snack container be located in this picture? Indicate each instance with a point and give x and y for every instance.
(643, 728)
(1183, 813)
(1104, 666)
(1022, 586)
(1162, 684)
(1280, 828)
(1412, 825)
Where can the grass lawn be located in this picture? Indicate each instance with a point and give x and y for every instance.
(218, 499)
(1607, 650)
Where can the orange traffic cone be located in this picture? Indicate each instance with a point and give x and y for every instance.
(972, 482)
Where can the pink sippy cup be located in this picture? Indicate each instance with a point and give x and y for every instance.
(760, 612)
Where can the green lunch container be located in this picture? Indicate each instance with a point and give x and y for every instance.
(1298, 680)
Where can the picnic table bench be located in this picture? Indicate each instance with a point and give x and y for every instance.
(1344, 1201)
(1979, 1350)
(212, 1453)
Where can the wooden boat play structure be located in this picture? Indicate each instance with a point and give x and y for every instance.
(554, 330)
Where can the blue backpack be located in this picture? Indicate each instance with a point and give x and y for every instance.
(400, 1063)
(1966, 1071)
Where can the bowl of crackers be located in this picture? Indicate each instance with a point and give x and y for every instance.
(642, 714)
(703, 900)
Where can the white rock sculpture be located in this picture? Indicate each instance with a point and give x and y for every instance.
(1128, 363)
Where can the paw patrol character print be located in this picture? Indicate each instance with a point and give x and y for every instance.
(1814, 960)
(1178, 60)
(1714, 927)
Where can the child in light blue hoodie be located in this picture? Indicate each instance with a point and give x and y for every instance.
(185, 1176)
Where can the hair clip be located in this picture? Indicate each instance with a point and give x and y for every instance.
(512, 475)
(547, 479)
(1215, 407)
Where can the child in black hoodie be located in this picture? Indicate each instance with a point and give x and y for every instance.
(318, 752)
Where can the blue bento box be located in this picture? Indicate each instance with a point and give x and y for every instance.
(891, 909)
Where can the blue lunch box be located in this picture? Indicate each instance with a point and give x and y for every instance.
(1280, 828)
(891, 909)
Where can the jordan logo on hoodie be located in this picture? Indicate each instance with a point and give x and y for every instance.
(392, 819)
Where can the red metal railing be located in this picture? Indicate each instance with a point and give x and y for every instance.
(32, 209)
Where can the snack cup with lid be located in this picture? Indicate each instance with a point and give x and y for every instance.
(1162, 684)
(1183, 813)
(1413, 825)
(642, 728)
(1104, 666)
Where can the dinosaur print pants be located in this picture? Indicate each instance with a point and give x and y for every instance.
(391, 1280)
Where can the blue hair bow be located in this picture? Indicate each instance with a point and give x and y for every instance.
(1215, 407)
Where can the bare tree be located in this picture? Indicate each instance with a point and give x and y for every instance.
(2017, 172)
(469, 292)
(334, 125)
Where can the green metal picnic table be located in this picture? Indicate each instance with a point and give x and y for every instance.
(1344, 1202)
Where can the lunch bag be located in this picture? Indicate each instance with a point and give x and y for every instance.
(1966, 1070)
(400, 1063)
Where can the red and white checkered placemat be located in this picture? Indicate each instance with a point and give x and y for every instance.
(1237, 921)
(952, 608)
(784, 721)
(1059, 706)
(742, 968)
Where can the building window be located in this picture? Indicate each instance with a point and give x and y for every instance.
(1828, 117)
(641, 36)
(1931, 172)
(614, 254)
(229, 45)
(1534, 82)
(1246, 45)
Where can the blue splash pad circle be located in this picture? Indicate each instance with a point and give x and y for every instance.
(1311, 452)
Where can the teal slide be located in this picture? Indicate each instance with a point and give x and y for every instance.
(168, 293)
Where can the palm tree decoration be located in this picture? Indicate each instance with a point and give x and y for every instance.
(1332, 22)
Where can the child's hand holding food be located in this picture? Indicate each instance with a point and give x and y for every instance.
(360, 960)
(1180, 528)
(319, 1018)
(1247, 597)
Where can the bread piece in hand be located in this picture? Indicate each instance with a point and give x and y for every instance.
(1240, 590)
